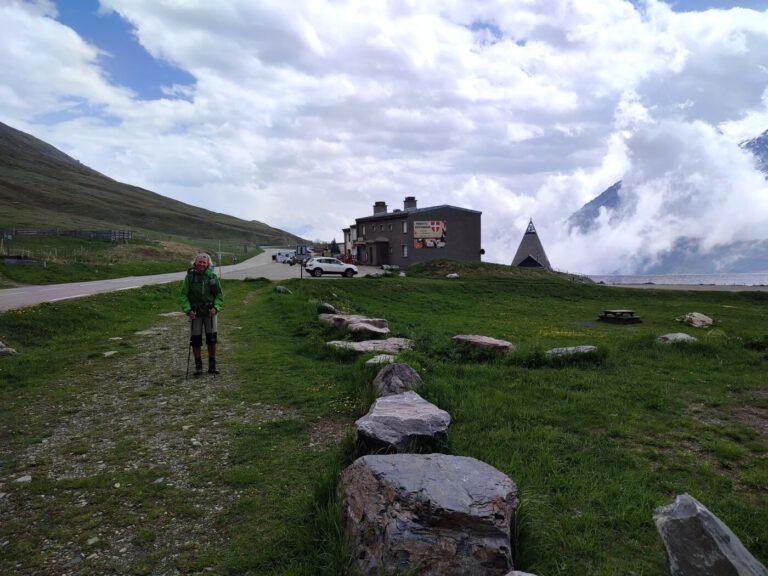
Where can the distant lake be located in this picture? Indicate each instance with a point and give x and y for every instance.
(746, 279)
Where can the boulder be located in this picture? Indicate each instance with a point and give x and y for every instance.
(696, 319)
(326, 308)
(282, 290)
(483, 342)
(396, 378)
(570, 350)
(452, 275)
(388, 346)
(428, 514)
(6, 350)
(380, 359)
(675, 337)
(342, 321)
(403, 421)
(698, 543)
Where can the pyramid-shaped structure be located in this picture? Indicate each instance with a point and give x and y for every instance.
(530, 253)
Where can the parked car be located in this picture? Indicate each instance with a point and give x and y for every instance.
(284, 257)
(323, 265)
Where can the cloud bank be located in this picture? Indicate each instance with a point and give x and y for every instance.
(305, 113)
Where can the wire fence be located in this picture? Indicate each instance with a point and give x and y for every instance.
(108, 235)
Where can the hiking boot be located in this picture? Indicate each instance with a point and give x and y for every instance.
(198, 366)
(212, 366)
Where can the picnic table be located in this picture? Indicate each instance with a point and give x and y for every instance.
(619, 316)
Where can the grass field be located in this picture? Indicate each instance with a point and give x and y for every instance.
(594, 445)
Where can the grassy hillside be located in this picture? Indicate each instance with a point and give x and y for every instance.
(595, 445)
(41, 186)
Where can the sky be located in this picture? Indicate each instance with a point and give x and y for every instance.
(302, 114)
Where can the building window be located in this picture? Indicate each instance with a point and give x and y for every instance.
(390, 227)
(381, 227)
(404, 248)
(405, 226)
(390, 249)
(363, 230)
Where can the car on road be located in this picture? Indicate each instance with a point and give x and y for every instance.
(324, 265)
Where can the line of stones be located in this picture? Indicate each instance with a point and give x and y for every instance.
(407, 508)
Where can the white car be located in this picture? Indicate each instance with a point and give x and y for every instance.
(323, 265)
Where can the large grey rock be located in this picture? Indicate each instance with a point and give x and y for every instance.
(388, 346)
(483, 341)
(676, 337)
(403, 421)
(283, 290)
(396, 378)
(696, 319)
(428, 514)
(570, 351)
(343, 321)
(698, 543)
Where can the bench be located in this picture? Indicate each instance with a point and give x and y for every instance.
(620, 316)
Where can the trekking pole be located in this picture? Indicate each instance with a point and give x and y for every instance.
(189, 350)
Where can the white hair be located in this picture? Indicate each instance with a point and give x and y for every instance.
(204, 255)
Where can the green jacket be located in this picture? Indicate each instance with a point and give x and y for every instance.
(201, 291)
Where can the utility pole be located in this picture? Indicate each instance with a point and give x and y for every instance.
(219, 258)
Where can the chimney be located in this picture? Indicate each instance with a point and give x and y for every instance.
(380, 208)
(409, 203)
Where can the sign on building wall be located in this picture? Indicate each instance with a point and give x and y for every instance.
(429, 234)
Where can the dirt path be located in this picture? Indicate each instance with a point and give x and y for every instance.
(126, 464)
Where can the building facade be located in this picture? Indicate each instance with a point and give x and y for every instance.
(411, 235)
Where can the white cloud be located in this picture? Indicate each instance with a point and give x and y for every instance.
(516, 108)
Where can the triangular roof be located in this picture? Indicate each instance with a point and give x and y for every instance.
(531, 252)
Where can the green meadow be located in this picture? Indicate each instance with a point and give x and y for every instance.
(595, 444)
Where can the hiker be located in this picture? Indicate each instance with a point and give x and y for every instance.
(201, 300)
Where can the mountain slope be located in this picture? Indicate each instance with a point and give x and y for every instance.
(759, 147)
(687, 255)
(41, 186)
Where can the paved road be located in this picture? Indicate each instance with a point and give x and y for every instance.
(261, 266)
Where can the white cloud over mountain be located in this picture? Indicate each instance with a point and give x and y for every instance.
(303, 114)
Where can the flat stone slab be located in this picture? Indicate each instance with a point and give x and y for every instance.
(696, 319)
(483, 341)
(366, 329)
(380, 359)
(395, 379)
(428, 515)
(388, 346)
(570, 350)
(403, 421)
(675, 337)
(342, 321)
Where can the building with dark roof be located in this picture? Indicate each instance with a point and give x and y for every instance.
(411, 235)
